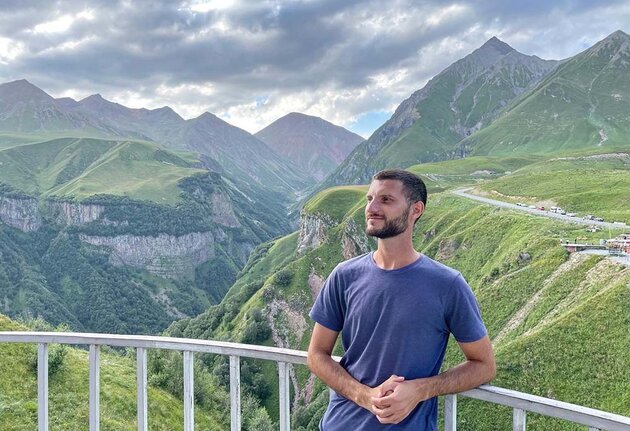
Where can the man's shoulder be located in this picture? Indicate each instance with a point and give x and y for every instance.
(353, 264)
(434, 269)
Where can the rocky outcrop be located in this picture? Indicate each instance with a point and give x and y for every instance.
(164, 255)
(448, 247)
(312, 231)
(76, 214)
(354, 242)
(288, 326)
(223, 211)
(315, 283)
(20, 213)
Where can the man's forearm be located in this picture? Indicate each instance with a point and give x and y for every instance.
(338, 379)
(463, 377)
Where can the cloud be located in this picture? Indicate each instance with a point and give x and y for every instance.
(254, 61)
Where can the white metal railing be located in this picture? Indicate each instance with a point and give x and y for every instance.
(520, 402)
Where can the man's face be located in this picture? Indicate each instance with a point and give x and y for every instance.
(387, 210)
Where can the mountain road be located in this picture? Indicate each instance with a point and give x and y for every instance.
(541, 213)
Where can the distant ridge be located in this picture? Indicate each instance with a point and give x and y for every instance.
(313, 144)
(26, 109)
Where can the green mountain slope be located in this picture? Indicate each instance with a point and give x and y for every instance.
(460, 100)
(533, 295)
(81, 167)
(583, 104)
(583, 184)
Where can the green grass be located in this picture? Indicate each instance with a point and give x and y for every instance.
(68, 397)
(83, 167)
(336, 201)
(583, 185)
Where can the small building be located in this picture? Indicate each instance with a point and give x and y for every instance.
(619, 245)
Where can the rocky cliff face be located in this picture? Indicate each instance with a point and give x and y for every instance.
(75, 214)
(20, 213)
(223, 210)
(354, 241)
(312, 231)
(164, 255)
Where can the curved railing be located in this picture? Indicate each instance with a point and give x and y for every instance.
(520, 402)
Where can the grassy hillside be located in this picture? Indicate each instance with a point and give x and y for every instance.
(68, 397)
(584, 184)
(446, 175)
(545, 310)
(81, 167)
(582, 104)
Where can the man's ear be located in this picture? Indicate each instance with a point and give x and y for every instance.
(417, 209)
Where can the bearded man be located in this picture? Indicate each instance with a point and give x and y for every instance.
(395, 309)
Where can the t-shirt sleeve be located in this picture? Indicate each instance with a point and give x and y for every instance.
(463, 318)
(329, 308)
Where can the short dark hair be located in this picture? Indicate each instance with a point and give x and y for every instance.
(414, 188)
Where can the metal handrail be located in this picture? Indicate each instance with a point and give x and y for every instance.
(519, 401)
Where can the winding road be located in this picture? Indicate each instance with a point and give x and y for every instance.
(565, 218)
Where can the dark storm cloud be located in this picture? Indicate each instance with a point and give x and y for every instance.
(276, 50)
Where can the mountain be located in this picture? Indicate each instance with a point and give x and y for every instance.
(126, 226)
(583, 104)
(150, 124)
(238, 153)
(26, 108)
(314, 145)
(460, 100)
(35, 115)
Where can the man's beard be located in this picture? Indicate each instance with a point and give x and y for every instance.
(391, 228)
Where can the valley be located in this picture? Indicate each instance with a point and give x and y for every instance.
(137, 221)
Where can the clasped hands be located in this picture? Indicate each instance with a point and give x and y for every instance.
(393, 400)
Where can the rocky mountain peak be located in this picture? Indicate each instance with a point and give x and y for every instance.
(494, 43)
(312, 143)
(22, 91)
(614, 49)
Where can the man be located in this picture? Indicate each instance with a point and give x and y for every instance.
(395, 309)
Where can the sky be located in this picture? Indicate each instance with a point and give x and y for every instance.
(251, 62)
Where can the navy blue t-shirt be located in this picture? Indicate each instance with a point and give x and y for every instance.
(393, 322)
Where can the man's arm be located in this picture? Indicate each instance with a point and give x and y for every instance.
(322, 364)
(479, 368)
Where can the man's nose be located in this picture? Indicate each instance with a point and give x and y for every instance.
(372, 206)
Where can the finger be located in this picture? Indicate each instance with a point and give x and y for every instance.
(377, 402)
(388, 399)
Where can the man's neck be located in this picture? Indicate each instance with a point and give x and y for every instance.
(394, 253)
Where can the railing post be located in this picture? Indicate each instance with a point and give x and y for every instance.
(42, 387)
(285, 407)
(519, 417)
(95, 387)
(141, 388)
(235, 393)
(189, 392)
(450, 412)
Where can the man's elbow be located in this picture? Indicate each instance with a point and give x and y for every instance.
(491, 369)
(312, 360)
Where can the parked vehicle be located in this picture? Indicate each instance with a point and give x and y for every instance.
(541, 208)
(571, 214)
(598, 219)
(589, 217)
